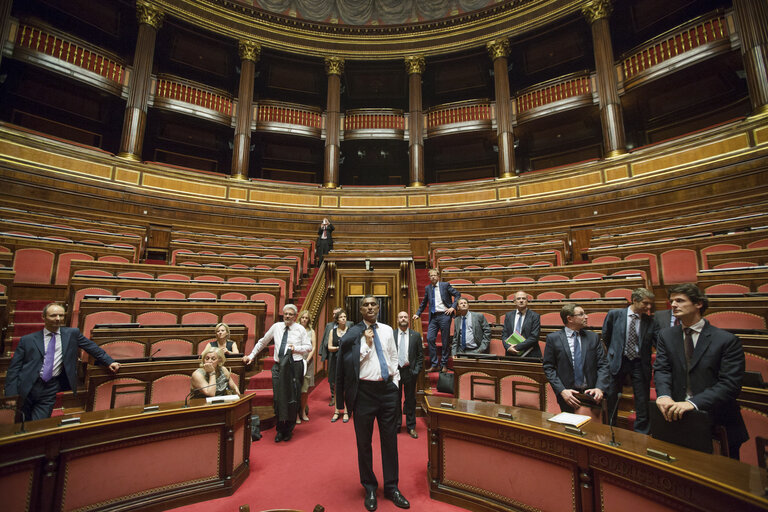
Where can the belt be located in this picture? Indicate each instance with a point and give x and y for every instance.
(389, 379)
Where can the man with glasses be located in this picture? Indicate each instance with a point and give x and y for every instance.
(574, 360)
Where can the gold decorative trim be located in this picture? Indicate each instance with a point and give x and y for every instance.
(615, 153)
(329, 184)
(129, 156)
(334, 66)
(149, 14)
(416, 184)
(498, 48)
(415, 64)
(249, 50)
(597, 9)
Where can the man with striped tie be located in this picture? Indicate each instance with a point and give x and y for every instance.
(526, 324)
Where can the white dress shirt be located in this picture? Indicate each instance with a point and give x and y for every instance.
(297, 336)
(439, 305)
(369, 360)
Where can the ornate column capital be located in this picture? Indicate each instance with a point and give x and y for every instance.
(249, 50)
(334, 66)
(498, 48)
(149, 14)
(596, 9)
(415, 64)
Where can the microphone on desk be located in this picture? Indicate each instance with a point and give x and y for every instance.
(610, 421)
(154, 353)
(186, 399)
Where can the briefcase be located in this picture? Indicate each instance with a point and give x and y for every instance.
(445, 382)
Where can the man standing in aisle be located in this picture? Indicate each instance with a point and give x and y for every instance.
(410, 355)
(442, 299)
(628, 335)
(292, 337)
(524, 322)
(45, 362)
(367, 381)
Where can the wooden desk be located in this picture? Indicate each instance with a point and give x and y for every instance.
(756, 256)
(481, 462)
(537, 272)
(127, 459)
(600, 286)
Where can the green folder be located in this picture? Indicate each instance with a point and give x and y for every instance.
(515, 339)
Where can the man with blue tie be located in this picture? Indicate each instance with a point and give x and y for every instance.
(45, 362)
(628, 336)
(442, 299)
(574, 360)
(524, 322)
(472, 334)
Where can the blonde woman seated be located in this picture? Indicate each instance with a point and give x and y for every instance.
(309, 374)
(212, 379)
(222, 340)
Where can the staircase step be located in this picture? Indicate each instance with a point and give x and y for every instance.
(262, 380)
(263, 397)
(27, 317)
(23, 329)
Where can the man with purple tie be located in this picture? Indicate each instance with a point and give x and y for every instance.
(45, 362)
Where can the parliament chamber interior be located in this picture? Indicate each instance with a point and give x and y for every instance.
(165, 166)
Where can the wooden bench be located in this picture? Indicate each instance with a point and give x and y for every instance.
(735, 280)
(241, 250)
(555, 246)
(537, 272)
(738, 258)
(226, 260)
(504, 260)
(611, 286)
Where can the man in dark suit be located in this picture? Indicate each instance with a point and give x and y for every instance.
(525, 322)
(699, 366)
(410, 355)
(472, 334)
(324, 243)
(442, 299)
(661, 320)
(45, 362)
(367, 382)
(628, 335)
(574, 360)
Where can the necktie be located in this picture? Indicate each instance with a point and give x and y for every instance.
(283, 343)
(402, 349)
(464, 332)
(380, 354)
(578, 374)
(675, 321)
(50, 352)
(432, 301)
(519, 324)
(688, 345)
(631, 349)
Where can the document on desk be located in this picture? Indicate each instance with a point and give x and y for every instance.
(222, 398)
(567, 418)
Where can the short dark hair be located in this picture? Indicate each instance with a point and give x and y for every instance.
(693, 292)
(337, 313)
(568, 309)
(639, 294)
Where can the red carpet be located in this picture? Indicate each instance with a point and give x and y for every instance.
(319, 466)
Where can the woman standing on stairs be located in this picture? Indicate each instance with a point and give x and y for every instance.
(333, 351)
(305, 320)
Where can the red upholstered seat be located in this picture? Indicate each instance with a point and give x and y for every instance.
(497, 347)
(726, 288)
(454, 282)
(209, 278)
(199, 318)
(93, 273)
(755, 363)
(522, 391)
(596, 319)
(550, 295)
(281, 284)
(679, 266)
(736, 320)
(170, 388)
(134, 294)
(489, 280)
(269, 300)
(652, 262)
(234, 296)
(103, 393)
(736, 264)
(156, 318)
(624, 293)
(62, 267)
(490, 317)
(589, 275)
(713, 249)
(33, 265)
(103, 317)
(114, 258)
(241, 279)
(489, 296)
(202, 295)
(553, 277)
(605, 259)
(173, 347)
(123, 349)
(585, 294)
(169, 294)
(551, 319)
(249, 320)
(135, 274)
(520, 279)
(174, 276)
(757, 425)
(476, 386)
(758, 243)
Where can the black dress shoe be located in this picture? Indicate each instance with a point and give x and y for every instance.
(413, 433)
(287, 437)
(370, 500)
(278, 437)
(398, 499)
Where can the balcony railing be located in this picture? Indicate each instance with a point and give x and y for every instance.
(194, 94)
(374, 123)
(284, 117)
(470, 115)
(553, 91)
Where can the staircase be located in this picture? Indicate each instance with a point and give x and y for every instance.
(25, 318)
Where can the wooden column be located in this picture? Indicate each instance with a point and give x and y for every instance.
(334, 68)
(752, 19)
(597, 13)
(150, 19)
(415, 67)
(249, 55)
(499, 51)
(5, 25)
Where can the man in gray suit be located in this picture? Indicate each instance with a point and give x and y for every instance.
(472, 334)
(410, 354)
(628, 336)
(45, 362)
(574, 360)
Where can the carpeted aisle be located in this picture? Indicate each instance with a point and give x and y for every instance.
(319, 466)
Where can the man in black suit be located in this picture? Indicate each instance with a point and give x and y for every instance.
(525, 322)
(628, 335)
(472, 334)
(410, 355)
(442, 299)
(367, 381)
(574, 360)
(699, 366)
(45, 362)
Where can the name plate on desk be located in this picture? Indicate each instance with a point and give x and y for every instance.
(70, 421)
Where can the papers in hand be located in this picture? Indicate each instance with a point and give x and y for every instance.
(567, 418)
(515, 339)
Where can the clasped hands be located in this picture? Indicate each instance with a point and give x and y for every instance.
(569, 395)
(672, 410)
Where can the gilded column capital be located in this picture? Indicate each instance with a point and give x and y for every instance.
(149, 14)
(597, 9)
(415, 64)
(249, 50)
(334, 66)
(498, 48)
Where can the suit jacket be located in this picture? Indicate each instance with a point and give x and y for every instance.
(558, 362)
(348, 367)
(29, 355)
(615, 338)
(329, 232)
(481, 331)
(529, 330)
(717, 367)
(661, 320)
(448, 294)
(415, 350)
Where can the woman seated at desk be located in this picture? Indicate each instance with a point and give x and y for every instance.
(212, 379)
(222, 340)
